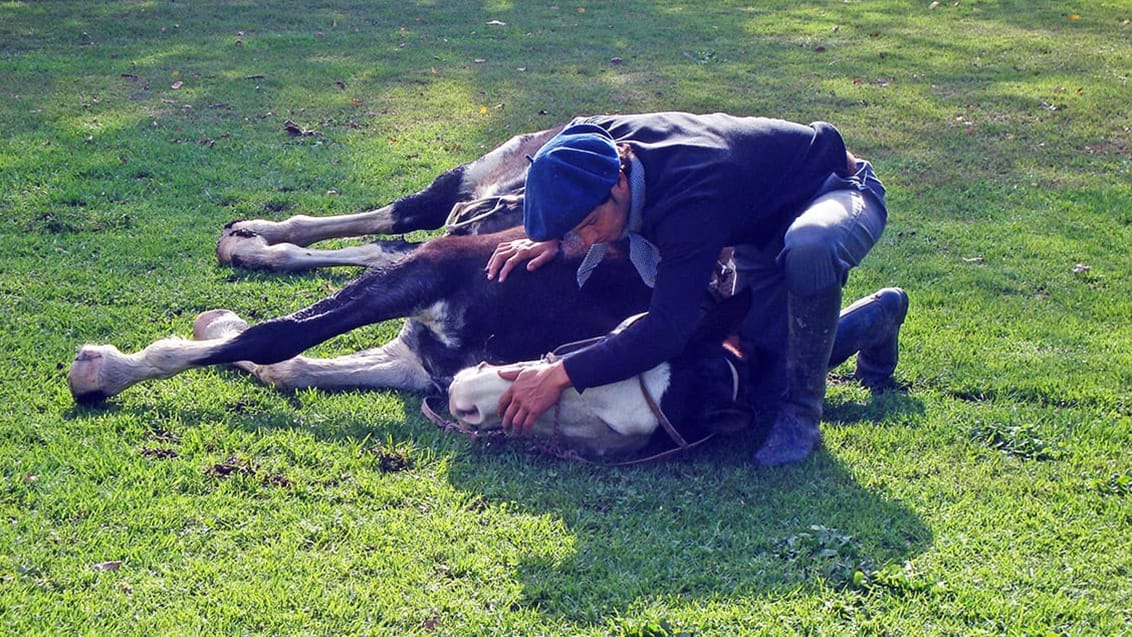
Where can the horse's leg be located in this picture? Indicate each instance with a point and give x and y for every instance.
(393, 365)
(255, 253)
(100, 371)
(500, 170)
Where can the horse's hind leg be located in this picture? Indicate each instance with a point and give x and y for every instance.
(391, 366)
(253, 252)
(425, 210)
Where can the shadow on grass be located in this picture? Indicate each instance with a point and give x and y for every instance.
(699, 529)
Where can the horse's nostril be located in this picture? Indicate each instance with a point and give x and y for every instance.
(469, 416)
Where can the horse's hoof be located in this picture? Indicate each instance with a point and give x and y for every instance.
(85, 377)
(235, 238)
(217, 324)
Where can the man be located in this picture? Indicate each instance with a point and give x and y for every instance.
(800, 210)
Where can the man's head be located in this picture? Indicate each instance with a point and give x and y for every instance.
(569, 177)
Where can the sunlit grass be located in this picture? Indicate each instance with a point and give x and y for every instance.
(990, 496)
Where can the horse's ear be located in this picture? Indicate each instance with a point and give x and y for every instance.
(722, 318)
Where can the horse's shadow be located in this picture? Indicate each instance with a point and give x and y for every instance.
(707, 526)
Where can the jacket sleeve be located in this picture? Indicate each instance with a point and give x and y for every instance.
(689, 246)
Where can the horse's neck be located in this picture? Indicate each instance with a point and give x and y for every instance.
(621, 406)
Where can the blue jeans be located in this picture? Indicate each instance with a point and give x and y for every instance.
(832, 235)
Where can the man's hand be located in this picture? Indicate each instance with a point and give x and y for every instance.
(536, 388)
(508, 255)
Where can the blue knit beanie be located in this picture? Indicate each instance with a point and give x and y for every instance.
(567, 179)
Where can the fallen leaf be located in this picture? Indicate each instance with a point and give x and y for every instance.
(1081, 268)
(177, 85)
(107, 566)
(298, 131)
(933, 5)
(1074, 16)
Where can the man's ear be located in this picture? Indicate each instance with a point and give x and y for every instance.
(620, 189)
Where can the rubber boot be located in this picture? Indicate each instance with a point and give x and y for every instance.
(870, 328)
(809, 342)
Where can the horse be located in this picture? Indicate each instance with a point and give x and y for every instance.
(454, 317)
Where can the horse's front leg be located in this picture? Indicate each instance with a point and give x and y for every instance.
(394, 365)
(101, 371)
(425, 210)
(253, 252)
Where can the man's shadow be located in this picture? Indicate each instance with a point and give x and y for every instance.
(707, 526)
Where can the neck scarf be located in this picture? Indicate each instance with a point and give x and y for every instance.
(642, 253)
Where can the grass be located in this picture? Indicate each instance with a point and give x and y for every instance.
(991, 497)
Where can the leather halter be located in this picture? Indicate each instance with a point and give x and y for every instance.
(554, 449)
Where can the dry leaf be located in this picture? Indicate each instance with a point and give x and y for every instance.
(177, 85)
(107, 566)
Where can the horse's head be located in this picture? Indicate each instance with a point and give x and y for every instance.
(607, 420)
(700, 391)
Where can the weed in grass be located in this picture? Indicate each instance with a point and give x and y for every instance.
(1021, 440)
(1116, 485)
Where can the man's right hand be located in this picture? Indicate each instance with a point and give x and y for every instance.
(512, 253)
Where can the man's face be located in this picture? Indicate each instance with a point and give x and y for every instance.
(607, 221)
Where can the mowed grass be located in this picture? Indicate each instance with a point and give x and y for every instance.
(990, 496)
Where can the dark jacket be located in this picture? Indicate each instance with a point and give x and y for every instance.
(711, 181)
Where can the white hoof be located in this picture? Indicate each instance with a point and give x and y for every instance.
(237, 242)
(85, 378)
(217, 324)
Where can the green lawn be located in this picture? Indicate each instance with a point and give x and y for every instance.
(992, 497)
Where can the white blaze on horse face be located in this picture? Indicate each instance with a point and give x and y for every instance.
(473, 398)
(439, 320)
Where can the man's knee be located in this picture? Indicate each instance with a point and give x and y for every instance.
(811, 263)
